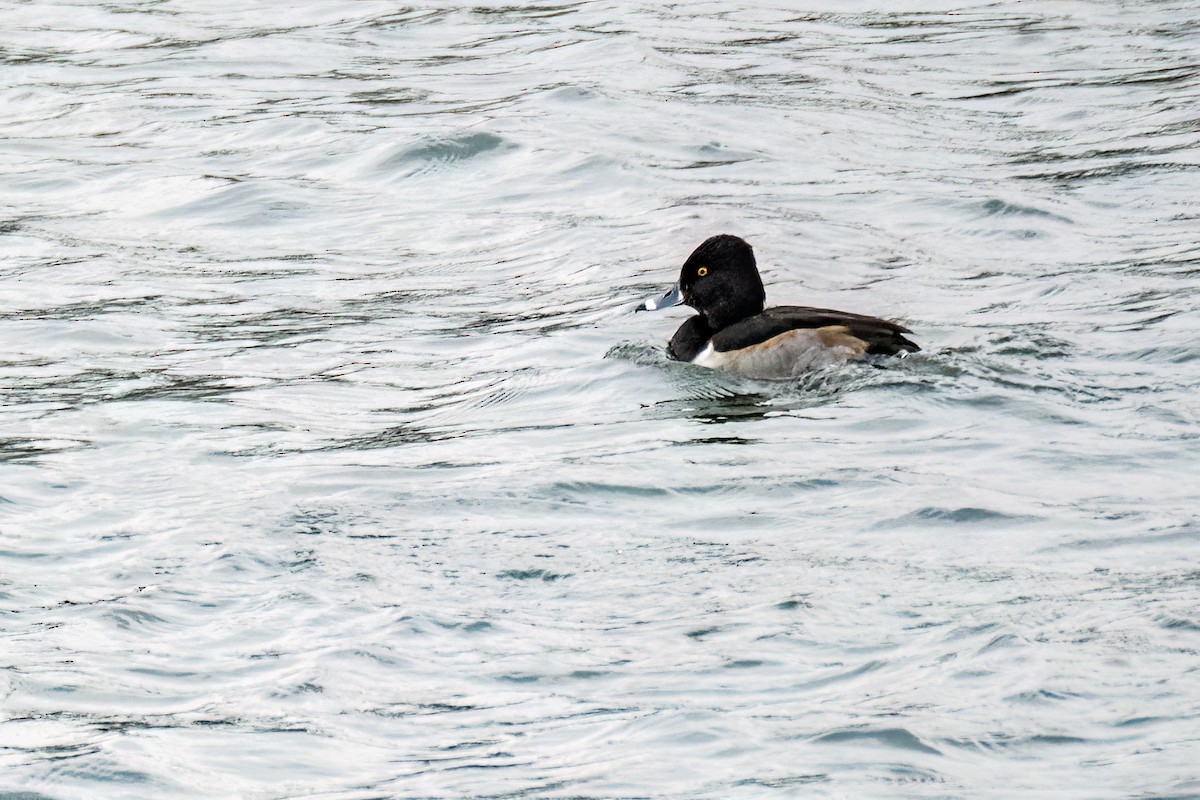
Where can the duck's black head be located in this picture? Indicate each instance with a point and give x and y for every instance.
(720, 280)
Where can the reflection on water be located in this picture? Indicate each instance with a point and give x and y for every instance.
(329, 436)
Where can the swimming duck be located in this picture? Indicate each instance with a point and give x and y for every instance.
(732, 331)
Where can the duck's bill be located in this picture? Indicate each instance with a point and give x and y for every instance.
(673, 297)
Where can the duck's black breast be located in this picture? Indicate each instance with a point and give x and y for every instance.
(880, 336)
(691, 337)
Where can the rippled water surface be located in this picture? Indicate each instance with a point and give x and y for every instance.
(334, 463)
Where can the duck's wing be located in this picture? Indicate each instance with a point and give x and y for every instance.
(880, 336)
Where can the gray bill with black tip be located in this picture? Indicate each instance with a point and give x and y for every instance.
(673, 297)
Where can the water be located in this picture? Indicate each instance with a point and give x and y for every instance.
(335, 464)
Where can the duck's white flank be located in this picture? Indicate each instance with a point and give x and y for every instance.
(789, 354)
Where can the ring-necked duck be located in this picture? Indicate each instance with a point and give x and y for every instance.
(733, 332)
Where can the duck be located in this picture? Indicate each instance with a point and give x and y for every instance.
(733, 331)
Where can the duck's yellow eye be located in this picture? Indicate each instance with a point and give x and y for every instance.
(702, 272)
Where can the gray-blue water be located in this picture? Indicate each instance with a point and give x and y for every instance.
(335, 464)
